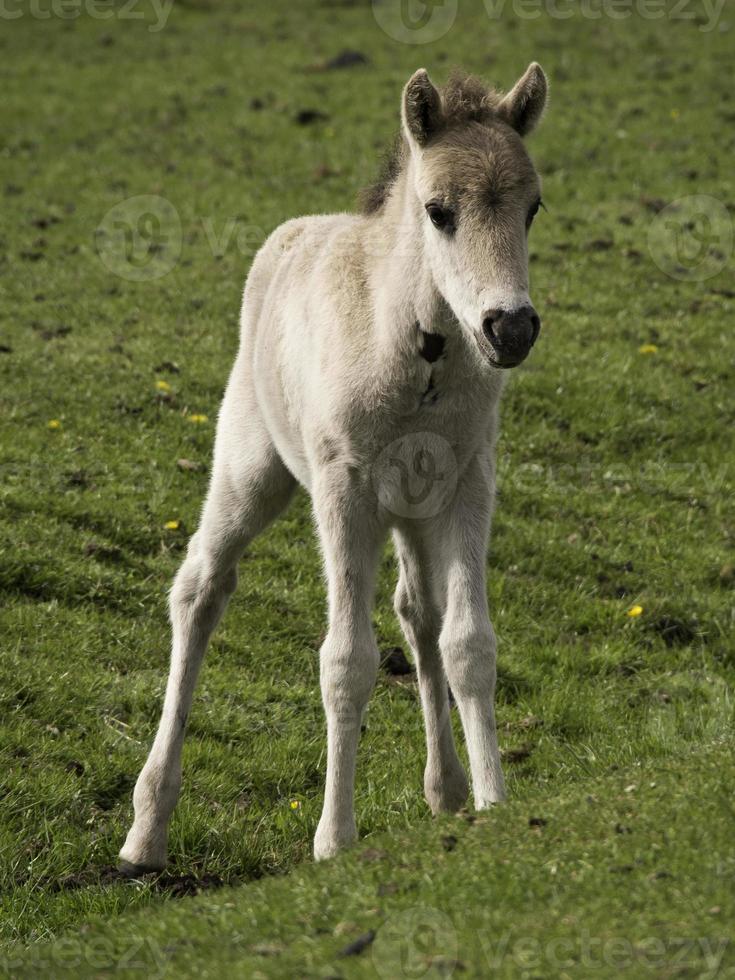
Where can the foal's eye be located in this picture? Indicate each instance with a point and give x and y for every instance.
(532, 212)
(439, 216)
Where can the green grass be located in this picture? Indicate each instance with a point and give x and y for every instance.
(616, 467)
(594, 881)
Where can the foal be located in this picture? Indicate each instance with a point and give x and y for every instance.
(370, 367)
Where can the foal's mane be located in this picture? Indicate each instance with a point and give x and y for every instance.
(465, 98)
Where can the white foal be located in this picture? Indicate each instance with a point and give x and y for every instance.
(370, 370)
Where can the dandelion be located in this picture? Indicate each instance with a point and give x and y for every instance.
(54, 424)
(162, 385)
(295, 805)
(635, 611)
(647, 349)
(172, 525)
(675, 113)
(198, 419)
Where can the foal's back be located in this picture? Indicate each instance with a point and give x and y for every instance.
(308, 346)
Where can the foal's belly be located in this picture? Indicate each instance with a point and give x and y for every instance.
(275, 411)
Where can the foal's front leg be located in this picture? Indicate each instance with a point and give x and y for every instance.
(349, 655)
(445, 782)
(467, 639)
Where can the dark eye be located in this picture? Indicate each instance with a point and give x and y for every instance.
(532, 212)
(439, 216)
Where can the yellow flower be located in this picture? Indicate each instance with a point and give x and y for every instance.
(163, 385)
(198, 419)
(295, 805)
(635, 611)
(172, 525)
(54, 424)
(675, 113)
(647, 349)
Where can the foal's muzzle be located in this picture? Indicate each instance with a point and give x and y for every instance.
(507, 338)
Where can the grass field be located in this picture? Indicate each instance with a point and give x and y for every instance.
(617, 463)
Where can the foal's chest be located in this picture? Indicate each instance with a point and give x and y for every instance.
(444, 386)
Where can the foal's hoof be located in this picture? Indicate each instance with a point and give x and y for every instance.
(446, 794)
(130, 870)
(142, 853)
(328, 843)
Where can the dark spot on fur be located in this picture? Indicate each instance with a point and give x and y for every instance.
(432, 345)
(431, 395)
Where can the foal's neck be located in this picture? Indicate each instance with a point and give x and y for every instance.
(403, 287)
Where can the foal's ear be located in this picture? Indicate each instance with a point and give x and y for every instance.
(523, 106)
(421, 109)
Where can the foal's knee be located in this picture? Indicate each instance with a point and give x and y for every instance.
(417, 616)
(469, 657)
(348, 668)
(204, 581)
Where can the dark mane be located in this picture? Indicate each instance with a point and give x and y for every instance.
(465, 98)
(373, 197)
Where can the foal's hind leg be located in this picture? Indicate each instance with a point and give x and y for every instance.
(250, 485)
(445, 782)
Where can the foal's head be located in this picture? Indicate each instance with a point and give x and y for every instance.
(477, 193)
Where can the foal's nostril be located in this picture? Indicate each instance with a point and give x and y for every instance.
(489, 323)
(536, 324)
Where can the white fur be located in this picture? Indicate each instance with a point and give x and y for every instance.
(328, 375)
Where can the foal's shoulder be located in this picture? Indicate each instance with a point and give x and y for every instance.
(308, 230)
